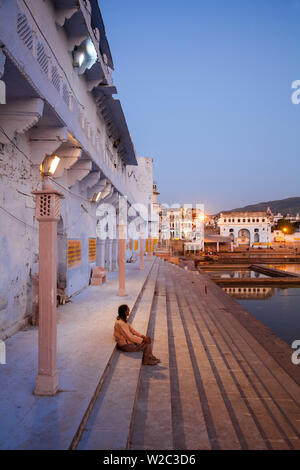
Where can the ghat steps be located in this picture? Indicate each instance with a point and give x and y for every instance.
(224, 381)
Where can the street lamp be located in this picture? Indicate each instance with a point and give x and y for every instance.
(84, 56)
(284, 232)
(96, 197)
(47, 214)
(49, 165)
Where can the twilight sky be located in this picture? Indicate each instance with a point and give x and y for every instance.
(206, 89)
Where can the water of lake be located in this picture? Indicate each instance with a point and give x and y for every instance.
(278, 308)
(234, 274)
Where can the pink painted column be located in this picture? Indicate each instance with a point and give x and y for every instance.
(48, 214)
(142, 252)
(122, 291)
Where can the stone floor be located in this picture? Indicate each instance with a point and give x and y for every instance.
(85, 346)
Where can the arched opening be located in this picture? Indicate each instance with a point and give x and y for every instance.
(244, 237)
(256, 238)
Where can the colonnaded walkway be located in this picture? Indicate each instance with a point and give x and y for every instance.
(85, 347)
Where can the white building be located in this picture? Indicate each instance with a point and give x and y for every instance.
(56, 68)
(246, 228)
(288, 217)
(182, 223)
(278, 236)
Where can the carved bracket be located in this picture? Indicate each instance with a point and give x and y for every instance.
(96, 188)
(19, 116)
(107, 192)
(90, 180)
(45, 141)
(69, 155)
(78, 171)
(112, 199)
(62, 14)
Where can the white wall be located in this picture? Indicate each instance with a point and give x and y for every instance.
(264, 231)
(18, 242)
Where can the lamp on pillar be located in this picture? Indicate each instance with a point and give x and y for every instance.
(122, 236)
(48, 214)
(49, 165)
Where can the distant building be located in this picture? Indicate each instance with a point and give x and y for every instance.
(182, 223)
(277, 217)
(252, 229)
(289, 217)
(279, 236)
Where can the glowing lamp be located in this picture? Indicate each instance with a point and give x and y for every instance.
(96, 197)
(84, 56)
(49, 165)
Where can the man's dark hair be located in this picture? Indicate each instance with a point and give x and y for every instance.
(122, 312)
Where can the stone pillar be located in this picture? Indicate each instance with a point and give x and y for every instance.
(115, 254)
(100, 253)
(48, 214)
(218, 247)
(108, 254)
(122, 291)
(142, 252)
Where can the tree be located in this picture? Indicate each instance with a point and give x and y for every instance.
(285, 226)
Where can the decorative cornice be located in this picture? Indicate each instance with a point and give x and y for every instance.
(19, 116)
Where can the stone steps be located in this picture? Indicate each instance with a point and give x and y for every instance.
(109, 422)
(153, 406)
(266, 412)
(216, 387)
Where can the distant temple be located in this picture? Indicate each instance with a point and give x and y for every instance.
(252, 229)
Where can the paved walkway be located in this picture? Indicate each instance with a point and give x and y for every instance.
(85, 347)
(217, 387)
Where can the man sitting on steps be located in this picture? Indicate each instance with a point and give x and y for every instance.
(130, 340)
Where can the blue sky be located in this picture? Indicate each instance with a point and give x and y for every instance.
(206, 89)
